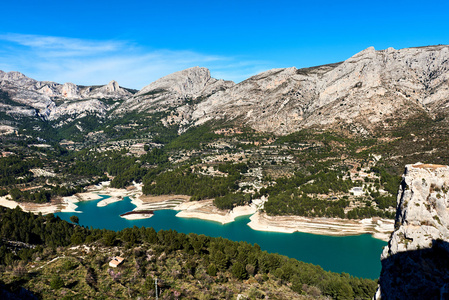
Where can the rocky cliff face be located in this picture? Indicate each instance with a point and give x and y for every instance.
(181, 89)
(370, 90)
(415, 264)
(362, 92)
(50, 100)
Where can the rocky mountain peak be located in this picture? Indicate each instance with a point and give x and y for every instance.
(111, 90)
(189, 82)
(359, 93)
(11, 75)
(112, 86)
(365, 93)
(175, 90)
(69, 90)
(415, 264)
(50, 100)
(15, 78)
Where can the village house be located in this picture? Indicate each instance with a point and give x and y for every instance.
(116, 261)
(357, 191)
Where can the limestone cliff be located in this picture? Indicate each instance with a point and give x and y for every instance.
(370, 90)
(181, 90)
(50, 100)
(415, 264)
(361, 92)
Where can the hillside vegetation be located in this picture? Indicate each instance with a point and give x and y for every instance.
(307, 173)
(53, 259)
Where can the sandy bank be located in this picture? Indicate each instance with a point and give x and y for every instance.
(109, 200)
(46, 208)
(144, 202)
(95, 192)
(152, 203)
(87, 196)
(163, 198)
(6, 201)
(68, 204)
(205, 210)
(379, 228)
(137, 216)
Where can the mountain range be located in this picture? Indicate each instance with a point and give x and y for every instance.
(370, 90)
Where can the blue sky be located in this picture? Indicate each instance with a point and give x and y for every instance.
(136, 42)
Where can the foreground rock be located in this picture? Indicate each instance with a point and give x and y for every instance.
(415, 264)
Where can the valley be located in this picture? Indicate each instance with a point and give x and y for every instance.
(318, 150)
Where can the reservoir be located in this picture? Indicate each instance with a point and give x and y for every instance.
(356, 255)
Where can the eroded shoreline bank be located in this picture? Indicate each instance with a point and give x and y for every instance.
(378, 228)
(205, 210)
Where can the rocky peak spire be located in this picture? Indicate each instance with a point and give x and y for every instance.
(112, 86)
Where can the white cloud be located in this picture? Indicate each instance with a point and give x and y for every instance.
(59, 46)
(89, 62)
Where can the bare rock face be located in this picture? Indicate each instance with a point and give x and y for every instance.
(189, 82)
(78, 108)
(111, 90)
(361, 92)
(70, 90)
(415, 264)
(112, 87)
(370, 90)
(50, 100)
(174, 90)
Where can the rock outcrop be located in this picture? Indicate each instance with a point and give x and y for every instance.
(415, 264)
(361, 92)
(370, 90)
(49, 100)
(183, 88)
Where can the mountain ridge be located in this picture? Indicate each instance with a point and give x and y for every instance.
(50, 101)
(353, 89)
(370, 90)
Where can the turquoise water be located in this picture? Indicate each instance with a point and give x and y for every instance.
(356, 255)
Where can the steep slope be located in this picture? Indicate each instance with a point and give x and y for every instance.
(50, 100)
(415, 264)
(365, 90)
(371, 90)
(181, 88)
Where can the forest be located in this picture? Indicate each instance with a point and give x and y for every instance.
(184, 180)
(216, 260)
(316, 167)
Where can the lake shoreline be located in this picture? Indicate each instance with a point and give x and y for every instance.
(378, 228)
(205, 210)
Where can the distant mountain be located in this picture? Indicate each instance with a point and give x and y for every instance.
(372, 89)
(23, 96)
(361, 92)
(179, 93)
